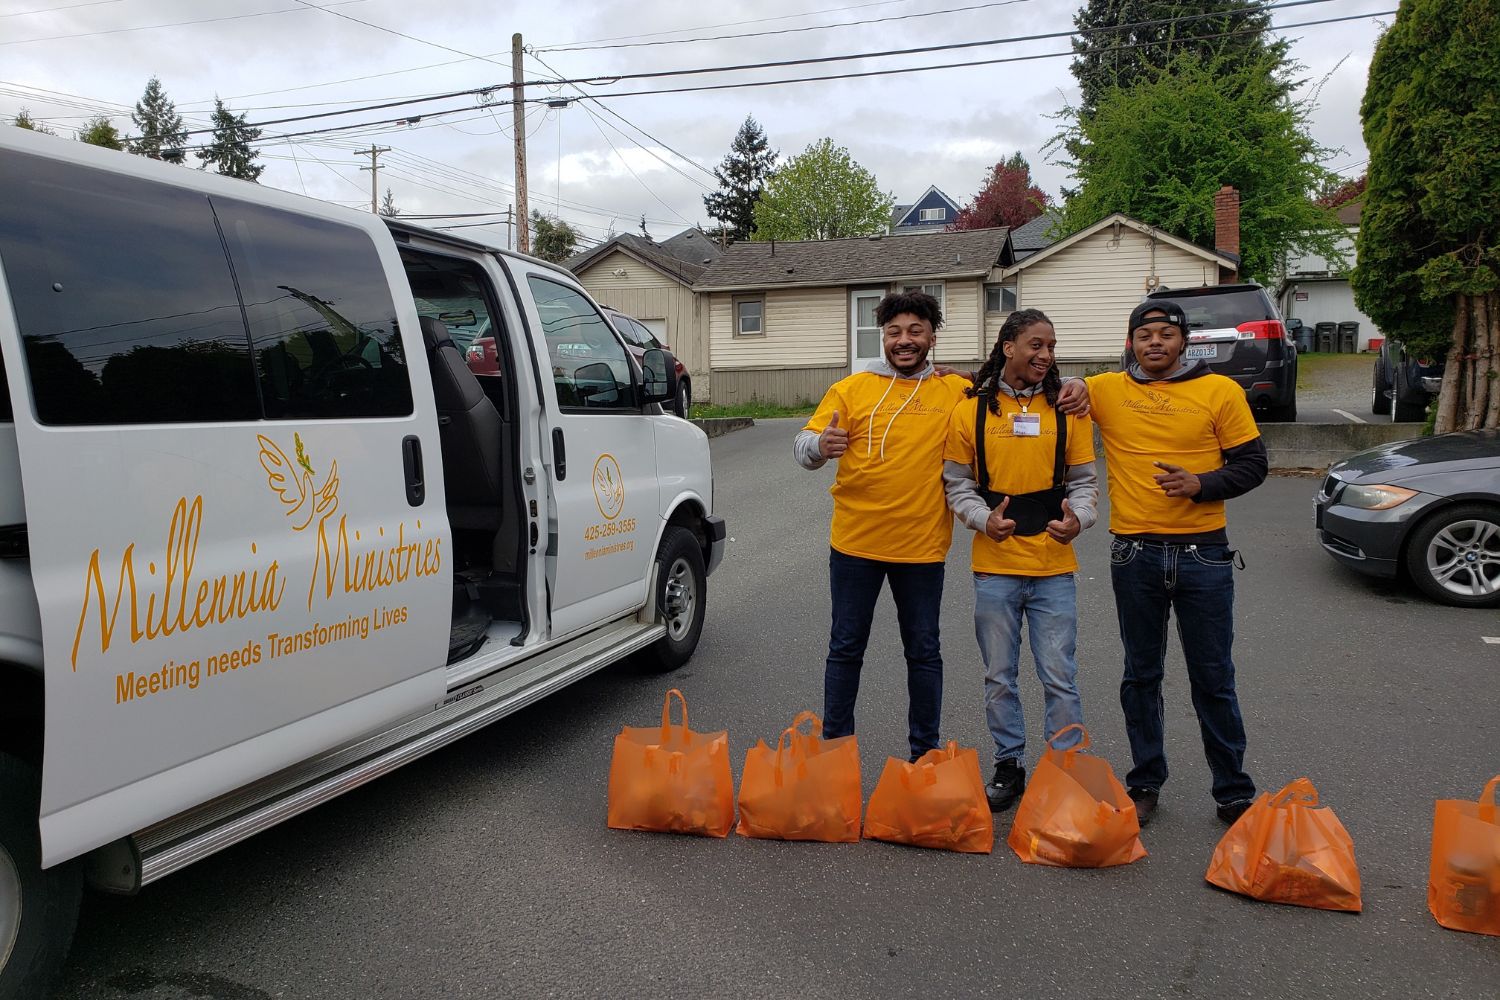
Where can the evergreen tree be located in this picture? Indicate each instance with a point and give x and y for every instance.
(229, 150)
(821, 194)
(1428, 269)
(388, 205)
(101, 131)
(24, 120)
(742, 176)
(1007, 198)
(552, 238)
(1108, 55)
(161, 133)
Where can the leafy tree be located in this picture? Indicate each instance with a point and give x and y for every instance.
(1160, 150)
(552, 238)
(742, 176)
(1428, 269)
(821, 194)
(388, 205)
(1108, 55)
(24, 120)
(162, 136)
(101, 131)
(229, 150)
(1006, 198)
(1340, 192)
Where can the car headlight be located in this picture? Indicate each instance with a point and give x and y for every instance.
(1375, 497)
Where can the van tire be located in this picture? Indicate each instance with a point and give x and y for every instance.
(681, 599)
(42, 911)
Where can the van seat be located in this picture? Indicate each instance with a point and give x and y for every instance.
(469, 432)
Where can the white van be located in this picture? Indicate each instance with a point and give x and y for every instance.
(264, 536)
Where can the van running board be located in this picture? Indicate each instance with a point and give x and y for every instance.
(160, 850)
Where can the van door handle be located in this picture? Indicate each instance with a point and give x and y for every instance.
(559, 454)
(411, 461)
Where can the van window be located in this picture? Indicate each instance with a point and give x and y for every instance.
(124, 298)
(322, 322)
(589, 364)
(6, 416)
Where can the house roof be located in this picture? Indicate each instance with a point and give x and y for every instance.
(906, 210)
(864, 258)
(1348, 213)
(683, 257)
(1057, 246)
(1027, 239)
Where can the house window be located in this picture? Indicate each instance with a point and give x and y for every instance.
(935, 289)
(750, 317)
(934, 214)
(1000, 298)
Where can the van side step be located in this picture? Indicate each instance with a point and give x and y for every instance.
(192, 836)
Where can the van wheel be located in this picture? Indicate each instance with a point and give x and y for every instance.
(38, 909)
(681, 599)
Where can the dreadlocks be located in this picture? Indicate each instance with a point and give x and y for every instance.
(988, 378)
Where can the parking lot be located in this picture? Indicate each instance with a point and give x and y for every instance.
(486, 870)
(1335, 389)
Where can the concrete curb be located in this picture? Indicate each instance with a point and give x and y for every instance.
(1317, 446)
(719, 426)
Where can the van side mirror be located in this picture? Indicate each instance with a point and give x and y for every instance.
(595, 385)
(659, 376)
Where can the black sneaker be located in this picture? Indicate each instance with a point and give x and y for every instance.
(1009, 783)
(1145, 804)
(1230, 812)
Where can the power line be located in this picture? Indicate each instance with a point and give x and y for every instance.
(393, 31)
(173, 24)
(736, 24)
(50, 10)
(626, 163)
(784, 31)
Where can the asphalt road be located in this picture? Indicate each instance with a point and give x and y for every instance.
(486, 870)
(1335, 389)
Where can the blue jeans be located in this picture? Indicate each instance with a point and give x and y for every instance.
(917, 589)
(1050, 606)
(1150, 580)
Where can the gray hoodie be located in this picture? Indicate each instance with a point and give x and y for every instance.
(805, 445)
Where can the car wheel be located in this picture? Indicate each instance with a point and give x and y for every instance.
(38, 909)
(1380, 401)
(681, 599)
(1284, 414)
(684, 399)
(1455, 556)
(1403, 409)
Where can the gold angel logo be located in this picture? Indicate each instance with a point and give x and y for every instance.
(294, 483)
(1161, 399)
(609, 487)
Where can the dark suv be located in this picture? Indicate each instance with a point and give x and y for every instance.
(1237, 330)
(1404, 385)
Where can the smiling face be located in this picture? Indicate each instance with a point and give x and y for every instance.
(1029, 355)
(1158, 346)
(907, 340)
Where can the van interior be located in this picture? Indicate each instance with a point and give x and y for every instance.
(479, 433)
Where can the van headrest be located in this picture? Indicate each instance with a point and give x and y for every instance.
(434, 333)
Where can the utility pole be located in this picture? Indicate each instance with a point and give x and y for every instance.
(518, 119)
(374, 168)
(510, 213)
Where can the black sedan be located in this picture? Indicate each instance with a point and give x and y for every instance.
(1429, 508)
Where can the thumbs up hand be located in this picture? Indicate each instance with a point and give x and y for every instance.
(1067, 529)
(999, 527)
(834, 440)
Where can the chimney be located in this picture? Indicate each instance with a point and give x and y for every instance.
(1227, 221)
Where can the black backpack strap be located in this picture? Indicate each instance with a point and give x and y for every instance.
(981, 467)
(1060, 462)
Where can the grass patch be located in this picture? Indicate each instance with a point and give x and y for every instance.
(1311, 367)
(754, 409)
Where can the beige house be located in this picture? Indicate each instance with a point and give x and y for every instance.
(653, 282)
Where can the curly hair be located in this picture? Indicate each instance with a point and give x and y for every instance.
(919, 304)
(988, 378)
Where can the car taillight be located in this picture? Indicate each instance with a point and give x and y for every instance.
(1426, 362)
(1266, 329)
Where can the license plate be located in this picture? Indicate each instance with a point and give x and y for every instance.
(1208, 352)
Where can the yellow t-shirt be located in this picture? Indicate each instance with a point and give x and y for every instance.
(1188, 423)
(888, 501)
(1019, 465)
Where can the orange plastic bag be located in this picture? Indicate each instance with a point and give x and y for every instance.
(1286, 850)
(808, 788)
(671, 779)
(1075, 813)
(936, 802)
(1463, 883)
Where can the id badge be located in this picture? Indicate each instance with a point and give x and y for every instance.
(1026, 425)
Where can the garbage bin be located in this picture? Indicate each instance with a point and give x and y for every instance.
(1326, 338)
(1301, 334)
(1348, 338)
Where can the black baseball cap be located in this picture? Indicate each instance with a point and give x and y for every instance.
(1170, 311)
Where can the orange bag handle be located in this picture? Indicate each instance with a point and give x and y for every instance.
(1083, 744)
(666, 716)
(929, 773)
(783, 744)
(1301, 789)
(1489, 799)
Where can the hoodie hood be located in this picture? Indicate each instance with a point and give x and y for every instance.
(1196, 368)
(883, 368)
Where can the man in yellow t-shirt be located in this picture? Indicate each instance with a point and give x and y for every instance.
(1034, 493)
(1179, 440)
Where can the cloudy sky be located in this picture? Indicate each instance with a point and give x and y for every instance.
(608, 163)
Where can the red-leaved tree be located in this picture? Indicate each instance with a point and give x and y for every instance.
(1007, 198)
